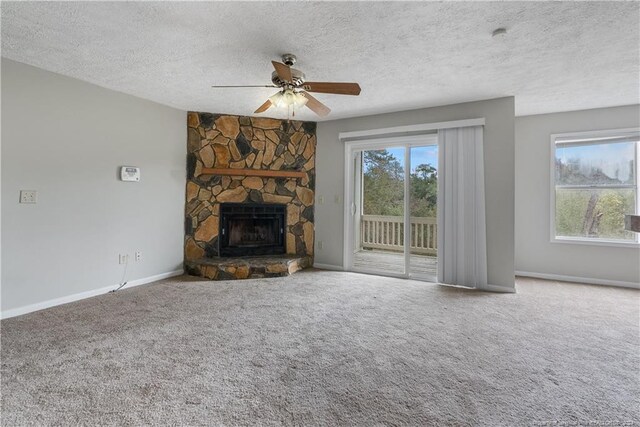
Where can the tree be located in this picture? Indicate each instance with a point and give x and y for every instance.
(591, 212)
(424, 191)
(383, 183)
(383, 177)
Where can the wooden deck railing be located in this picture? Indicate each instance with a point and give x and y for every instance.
(387, 232)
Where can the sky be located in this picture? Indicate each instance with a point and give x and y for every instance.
(419, 155)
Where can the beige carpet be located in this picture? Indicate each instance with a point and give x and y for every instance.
(327, 348)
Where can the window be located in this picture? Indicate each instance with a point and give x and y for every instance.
(594, 185)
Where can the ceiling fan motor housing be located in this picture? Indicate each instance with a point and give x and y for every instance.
(297, 78)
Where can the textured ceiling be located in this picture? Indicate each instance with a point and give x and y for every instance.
(556, 56)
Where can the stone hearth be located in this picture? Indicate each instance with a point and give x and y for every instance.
(222, 268)
(219, 145)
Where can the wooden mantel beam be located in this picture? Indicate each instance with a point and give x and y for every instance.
(254, 172)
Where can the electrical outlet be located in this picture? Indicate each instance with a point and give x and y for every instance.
(337, 198)
(321, 200)
(28, 196)
(319, 245)
(123, 258)
(138, 256)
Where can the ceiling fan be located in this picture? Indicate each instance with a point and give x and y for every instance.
(294, 89)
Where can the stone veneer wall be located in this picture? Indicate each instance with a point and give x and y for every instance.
(239, 142)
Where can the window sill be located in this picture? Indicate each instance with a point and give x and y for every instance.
(598, 242)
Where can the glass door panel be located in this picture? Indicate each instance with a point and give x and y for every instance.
(423, 208)
(379, 223)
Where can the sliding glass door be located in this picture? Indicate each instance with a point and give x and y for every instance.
(392, 202)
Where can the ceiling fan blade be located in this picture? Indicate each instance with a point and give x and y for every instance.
(316, 106)
(264, 107)
(328, 87)
(245, 86)
(283, 71)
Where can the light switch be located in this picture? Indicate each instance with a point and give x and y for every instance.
(28, 196)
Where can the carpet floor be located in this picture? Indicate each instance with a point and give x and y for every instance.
(327, 348)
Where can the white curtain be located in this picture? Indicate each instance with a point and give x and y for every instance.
(462, 241)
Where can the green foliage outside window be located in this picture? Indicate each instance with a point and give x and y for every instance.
(384, 186)
(593, 213)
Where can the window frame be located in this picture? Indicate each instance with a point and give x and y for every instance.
(554, 238)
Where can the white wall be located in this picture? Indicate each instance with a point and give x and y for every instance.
(534, 251)
(499, 177)
(66, 139)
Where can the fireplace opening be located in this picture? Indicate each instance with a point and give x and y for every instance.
(252, 229)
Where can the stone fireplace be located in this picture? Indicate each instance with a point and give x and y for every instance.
(249, 208)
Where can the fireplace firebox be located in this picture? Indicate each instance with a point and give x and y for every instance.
(252, 229)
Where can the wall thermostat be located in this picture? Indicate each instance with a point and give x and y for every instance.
(129, 173)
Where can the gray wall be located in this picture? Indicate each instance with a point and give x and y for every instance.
(65, 139)
(499, 177)
(534, 251)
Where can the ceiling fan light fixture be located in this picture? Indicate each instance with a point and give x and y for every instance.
(300, 101)
(287, 98)
(277, 100)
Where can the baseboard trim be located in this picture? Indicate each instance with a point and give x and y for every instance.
(576, 279)
(328, 267)
(498, 289)
(83, 295)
